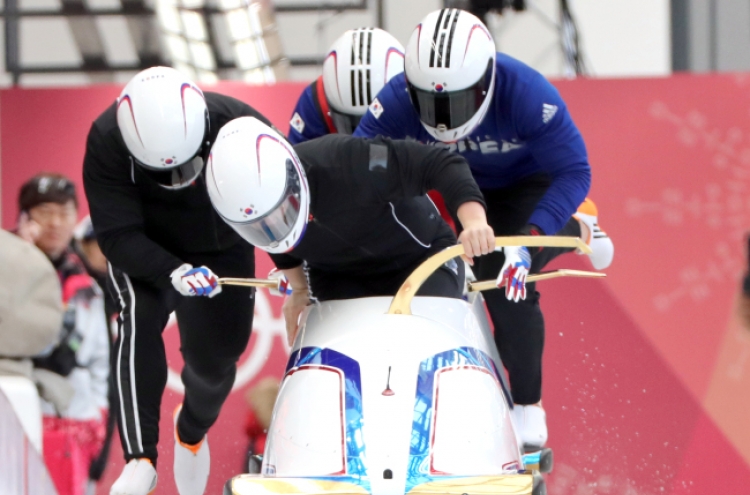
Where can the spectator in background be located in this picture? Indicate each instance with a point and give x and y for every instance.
(87, 248)
(73, 437)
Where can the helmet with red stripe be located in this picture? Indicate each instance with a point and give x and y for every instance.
(358, 65)
(450, 73)
(258, 186)
(163, 120)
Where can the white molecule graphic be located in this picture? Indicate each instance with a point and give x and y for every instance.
(723, 205)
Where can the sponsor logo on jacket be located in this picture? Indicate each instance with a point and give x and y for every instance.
(485, 146)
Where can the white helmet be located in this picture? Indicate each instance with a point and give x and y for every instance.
(163, 120)
(450, 72)
(356, 68)
(257, 185)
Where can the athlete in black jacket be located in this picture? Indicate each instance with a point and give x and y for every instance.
(154, 222)
(352, 209)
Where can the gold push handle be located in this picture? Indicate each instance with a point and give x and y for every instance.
(401, 304)
(268, 283)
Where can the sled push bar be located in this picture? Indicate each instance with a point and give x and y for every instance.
(401, 304)
(268, 283)
(564, 272)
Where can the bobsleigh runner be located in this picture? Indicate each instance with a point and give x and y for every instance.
(398, 396)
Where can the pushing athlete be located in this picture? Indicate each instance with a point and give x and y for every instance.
(145, 183)
(528, 158)
(325, 211)
(358, 64)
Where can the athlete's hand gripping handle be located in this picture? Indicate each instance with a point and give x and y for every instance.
(200, 281)
(514, 272)
(284, 288)
(477, 236)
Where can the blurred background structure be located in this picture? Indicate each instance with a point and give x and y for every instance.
(53, 42)
(81, 41)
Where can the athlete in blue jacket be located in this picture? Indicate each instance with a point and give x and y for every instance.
(528, 158)
(357, 66)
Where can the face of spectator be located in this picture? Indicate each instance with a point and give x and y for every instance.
(57, 222)
(94, 255)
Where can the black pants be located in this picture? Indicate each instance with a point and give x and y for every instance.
(446, 281)
(213, 334)
(519, 326)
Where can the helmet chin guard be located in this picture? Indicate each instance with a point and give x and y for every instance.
(163, 119)
(258, 186)
(177, 177)
(450, 73)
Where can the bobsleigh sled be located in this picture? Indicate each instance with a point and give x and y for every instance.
(398, 396)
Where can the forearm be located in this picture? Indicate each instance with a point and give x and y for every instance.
(138, 256)
(561, 201)
(297, 278)
(420, 168)
(471, 213)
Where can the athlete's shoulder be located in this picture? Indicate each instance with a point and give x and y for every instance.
(395, 92)
(104, 138)
(306, 122)
(523, 97)
(331, 150)
(106, 122)
(516, 79)
(390, 113)
(223, 108)
(321, 149)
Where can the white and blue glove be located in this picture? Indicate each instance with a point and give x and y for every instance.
(514, 272)
(284, 288)
(200, 281)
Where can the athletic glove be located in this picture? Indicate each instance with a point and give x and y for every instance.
(284, 288)
(200, 281)
(514, 271)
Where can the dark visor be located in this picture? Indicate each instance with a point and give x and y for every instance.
(176, 177)
(344, 123)
(181, 175)
(451, 108)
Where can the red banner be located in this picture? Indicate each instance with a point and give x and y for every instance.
(646, 373)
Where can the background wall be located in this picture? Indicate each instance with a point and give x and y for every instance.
(647, 379)
(617, 38)
(710, 35)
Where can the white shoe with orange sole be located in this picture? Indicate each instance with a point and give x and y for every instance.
(138, 478)
(192, 463)
(600, 243)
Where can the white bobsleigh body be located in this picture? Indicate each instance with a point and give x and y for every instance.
(391, 404)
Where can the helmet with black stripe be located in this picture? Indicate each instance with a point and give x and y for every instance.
(163, 120)
(450, 73)
(358, 65)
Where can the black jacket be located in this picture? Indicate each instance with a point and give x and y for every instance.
(141, 227)
(369, 213)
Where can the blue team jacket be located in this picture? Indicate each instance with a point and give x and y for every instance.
(307, 120)
(527, 131)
